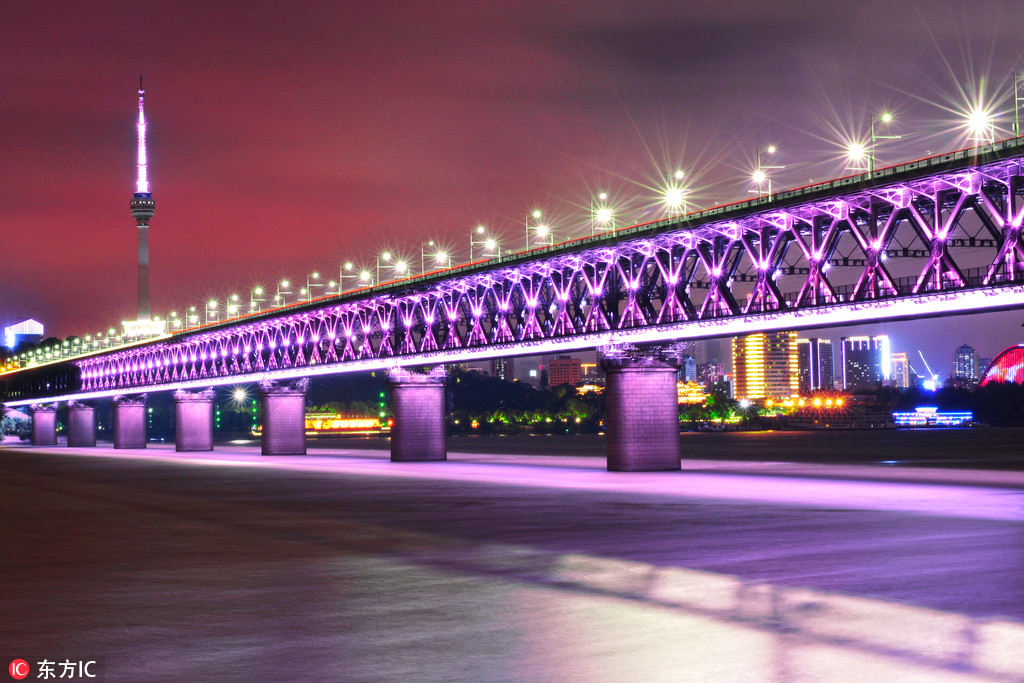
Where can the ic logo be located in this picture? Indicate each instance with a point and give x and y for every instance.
(19, 669)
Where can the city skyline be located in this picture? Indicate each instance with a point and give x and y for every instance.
(249, 198)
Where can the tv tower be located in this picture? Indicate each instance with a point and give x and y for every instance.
(143, 207)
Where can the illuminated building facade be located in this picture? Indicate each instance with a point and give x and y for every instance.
(765, 366)
(592, 374)
(1008, 366)
(26, 331)
(815, 365)
(900, 371)
(688, 369)
(565, 370)
(690, 393)
(929, 416)
(503, 368)
(711, 372)
(866, 362)
(965, 365)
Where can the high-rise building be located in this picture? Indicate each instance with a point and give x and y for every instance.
(503, 368)
(688, 369)
(711, 372)
(866, 362)
(565, 370)
(815, 366)
(900, 371)
(765, 366)
(965, 365)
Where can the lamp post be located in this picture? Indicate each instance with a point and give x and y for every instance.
(401, 268)
(231, 305)
(480, 238)
(601, 214)
(193, 316)
(386, 257)
(673, 195)
(858, 156)
(1018, 80)
(312, 280)
(760, 174)
(345, 270)
(255, 299)
(885, 118)
(980, 124)
(440, 257)
(542, 231)
(283, 290)
(211, 311)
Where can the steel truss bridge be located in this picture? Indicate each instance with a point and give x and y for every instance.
(927, 238)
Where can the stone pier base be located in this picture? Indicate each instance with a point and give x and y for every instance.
(129, 421)
(642, 421)
(193, 420)
(417, 403)
(44, 425)
(81, 425)
(284, 417)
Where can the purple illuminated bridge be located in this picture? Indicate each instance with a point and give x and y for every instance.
(928, 238)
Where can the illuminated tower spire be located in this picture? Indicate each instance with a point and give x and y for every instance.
(142, 207)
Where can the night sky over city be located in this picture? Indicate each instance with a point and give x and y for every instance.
(288, 138)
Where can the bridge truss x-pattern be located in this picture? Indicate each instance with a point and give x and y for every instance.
(838, 253)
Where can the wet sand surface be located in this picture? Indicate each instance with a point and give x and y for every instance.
(496, 565)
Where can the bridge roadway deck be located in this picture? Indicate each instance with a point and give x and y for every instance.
(341, 565)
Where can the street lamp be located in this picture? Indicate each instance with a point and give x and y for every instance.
(312, 280)
(480, 238)
(211, 311)
(760, 174)
(193, 316)
(440, 257)
(283, 290)
(542, 231)
(386, 257)
(885, 118)
(346, 270)
(1018, 86)
(232, 305)
(601, 214)
(857, 154)
(980, 124)
(255, 299)
(673, 195)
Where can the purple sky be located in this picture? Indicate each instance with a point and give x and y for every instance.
(288, 138)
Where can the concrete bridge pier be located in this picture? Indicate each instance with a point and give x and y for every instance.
(81, 424)
(44, 424)
(193, 420)
(642, 420)
(129, 421)
(417, 402)
(284, 417)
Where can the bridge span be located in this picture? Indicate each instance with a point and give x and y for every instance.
(932, 237)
